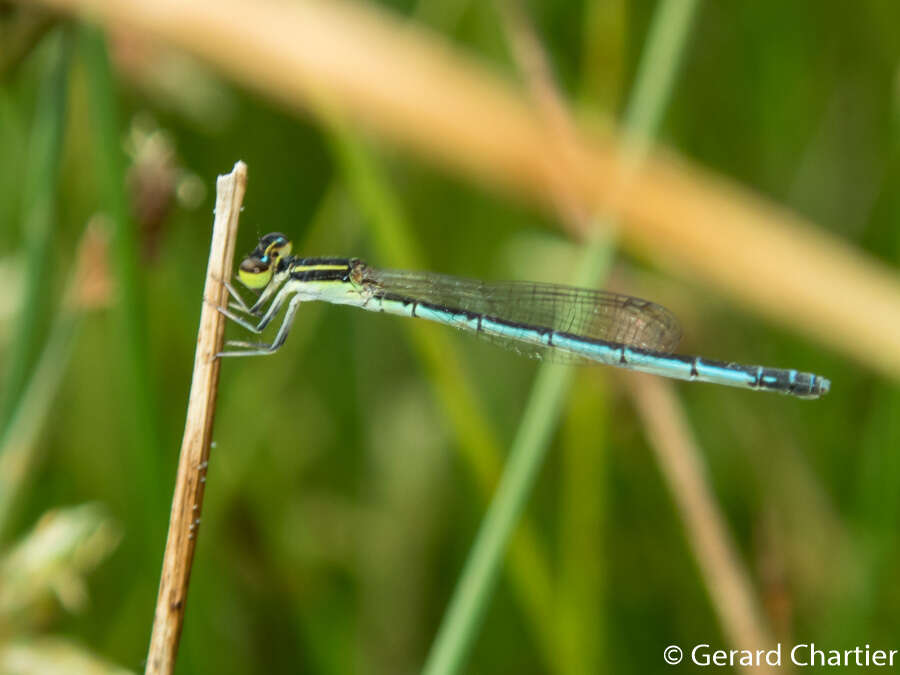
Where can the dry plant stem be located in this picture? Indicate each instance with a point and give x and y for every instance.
(678, 456)
(562, 146)
(187, 501)
(419, 92)
(679, 459)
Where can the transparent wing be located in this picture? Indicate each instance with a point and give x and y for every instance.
(593, 314)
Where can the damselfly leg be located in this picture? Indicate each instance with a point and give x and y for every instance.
(263, 348)
(238, 302)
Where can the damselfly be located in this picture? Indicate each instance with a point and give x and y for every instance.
(561, 323)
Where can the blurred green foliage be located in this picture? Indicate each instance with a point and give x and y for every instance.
(339, 511)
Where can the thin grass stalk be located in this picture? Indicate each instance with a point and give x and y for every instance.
(665, 44)
(876, 511)
(476, 439)
(18, 442)
(139, 393)
(582, 638)
(38, 220)
(20, 37)
(876, 499)
(727, 582)
(87, 288)
(583, 491)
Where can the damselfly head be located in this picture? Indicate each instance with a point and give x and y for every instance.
(257, 268)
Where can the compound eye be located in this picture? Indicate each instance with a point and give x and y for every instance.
(280, 249)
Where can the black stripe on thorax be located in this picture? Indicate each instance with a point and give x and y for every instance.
(320, 269)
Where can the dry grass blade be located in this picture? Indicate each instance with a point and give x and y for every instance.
(413, 88)
(562, 146)
(679, 459)
(189, 486)
(676, 453)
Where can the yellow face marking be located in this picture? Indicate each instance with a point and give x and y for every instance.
(254, 274)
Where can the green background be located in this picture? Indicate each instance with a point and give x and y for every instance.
(339, 510)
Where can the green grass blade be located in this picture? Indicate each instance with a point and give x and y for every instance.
(39, 219)
(18, 440)
(583, 530)
(476, 438)
(666, 40)
(139, 393)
